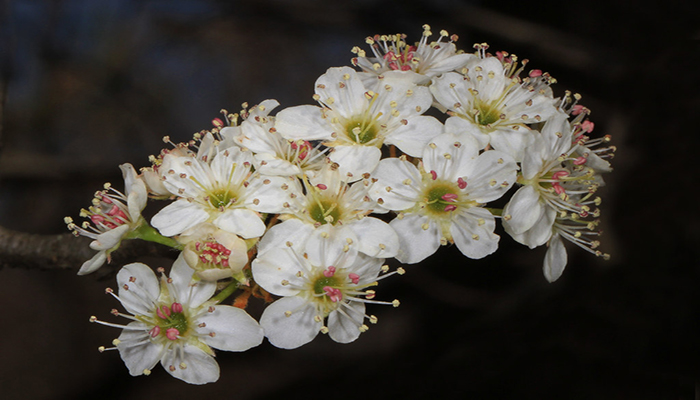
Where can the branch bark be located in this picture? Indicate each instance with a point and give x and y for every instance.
(66, 252)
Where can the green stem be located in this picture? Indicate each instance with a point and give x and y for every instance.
(150, 234)
(226, 292)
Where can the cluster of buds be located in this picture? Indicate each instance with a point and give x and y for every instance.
(303, 208)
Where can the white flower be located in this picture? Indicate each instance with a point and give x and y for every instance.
(220, 187)
(440, 201)
(494, 104)
(335, 209)
(175, 323)
(114, 215)
(556, 196)
(274, 155)
(327, 281)
(214, 253)
(419, 62)
(356, 120)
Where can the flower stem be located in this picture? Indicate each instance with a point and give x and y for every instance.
(226, 292)
(150, 234)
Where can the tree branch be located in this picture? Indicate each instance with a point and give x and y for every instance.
(64, 251)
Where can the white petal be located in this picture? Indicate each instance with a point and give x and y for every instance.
(402, 178)
(190, 293)
(291, 230)
(277, 265)
(233, 328)
(135, 187)
(109, 239)
(475, 238)
(512, 142)
(303, 122)
(290, 332)
(136, 350)
(355, 160)
(178, 216)
(345, 88)
(489, 176)
(138, 288)
(555, 259)
(415, 135)
(345, 328)
(416, 243)
(376, 238)
(242, 222)
(191, 364)
(461, 126)
(268, 195)
(93, 264)
(523, 210)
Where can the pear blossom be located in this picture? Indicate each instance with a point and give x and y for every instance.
(217, 186)
(214, 254)
(175, 323)
(494, 104)
(440, 201)
(356, 120)
(114, 215)
(418, 63)
(556, 197)
(327, 282)
(338, 210)
(274, 155)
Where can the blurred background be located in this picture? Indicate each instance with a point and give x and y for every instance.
(95, 83)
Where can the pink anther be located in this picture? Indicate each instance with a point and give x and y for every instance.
(558, 188)
(450, 207)
(461, 183)
(217, 123)
(580, 161)
(433, 175)
(354, 278)
(560, 174)
(163, 312)
(587, 126)
(172, 333)
(577, 109)
(405, 68)
(330, 271)
(449, 197)
(334, 294)
(177, 308)
(535, 73)
(155, 331)
(322, 186)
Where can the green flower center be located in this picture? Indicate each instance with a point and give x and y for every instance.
(441, 198)
(222, 198)
(324, 211)
(323, 281)
(487, 115)
(361, 131)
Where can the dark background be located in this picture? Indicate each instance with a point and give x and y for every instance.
(92, 84)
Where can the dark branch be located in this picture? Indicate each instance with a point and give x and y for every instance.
(64, 251)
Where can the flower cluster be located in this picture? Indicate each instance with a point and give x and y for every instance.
(306, 205)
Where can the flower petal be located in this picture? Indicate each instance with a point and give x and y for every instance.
(523, 210)
(242, 222)
(186, 291)
(376, 238)
(275, 266)
(416, 243)
(473, 233)
(555, 259)
(303, 122)
(178, 216)
(136, 350)
(355, 160)
(233, 328)
(190, 364)
(290, 332)
(138, 288)
(344, 323)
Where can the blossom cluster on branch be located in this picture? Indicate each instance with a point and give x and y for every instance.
(403, 154)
